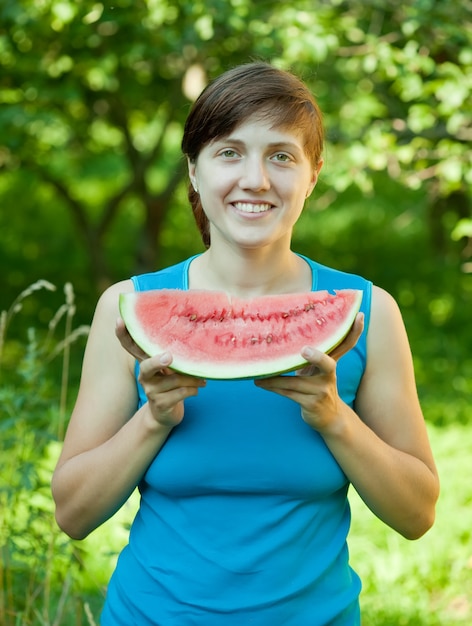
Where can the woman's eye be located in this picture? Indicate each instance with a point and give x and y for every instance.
(282, 157)
(228, 153)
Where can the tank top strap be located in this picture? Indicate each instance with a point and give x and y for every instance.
(173, 277)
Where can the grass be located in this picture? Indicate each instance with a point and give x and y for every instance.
(427, 582)
(48, 580)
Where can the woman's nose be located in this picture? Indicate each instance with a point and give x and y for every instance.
(255, 175)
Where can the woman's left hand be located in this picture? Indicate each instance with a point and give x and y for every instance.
(314, 387)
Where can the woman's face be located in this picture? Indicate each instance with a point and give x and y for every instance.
(253, 183)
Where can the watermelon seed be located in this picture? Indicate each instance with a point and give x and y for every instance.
(193, 317)
(269, 338)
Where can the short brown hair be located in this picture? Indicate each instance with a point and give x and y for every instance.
(236, 95)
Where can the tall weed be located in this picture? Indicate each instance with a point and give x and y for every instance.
(37, 563)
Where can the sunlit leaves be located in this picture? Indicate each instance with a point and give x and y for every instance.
(463, 229)
(441, 309)
(454, 87)
(204, 27)
(101, 77)
(59, 66)
(420, 117)
(94, 14)
(62, 14)
(90, 85)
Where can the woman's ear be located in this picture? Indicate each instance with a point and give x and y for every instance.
(314, 177)
(192, 172)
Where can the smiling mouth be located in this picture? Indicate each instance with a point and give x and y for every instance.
(248, 207)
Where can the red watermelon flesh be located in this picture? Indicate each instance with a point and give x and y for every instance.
(213, 335)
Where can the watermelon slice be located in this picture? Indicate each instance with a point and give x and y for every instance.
(213, 335)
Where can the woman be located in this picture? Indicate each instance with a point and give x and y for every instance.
(244, 514)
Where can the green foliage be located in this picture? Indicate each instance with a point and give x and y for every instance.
(94, 97)
(38, 567)
(48, 580)
(426, 582)
(97, 201)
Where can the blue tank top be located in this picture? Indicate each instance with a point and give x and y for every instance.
(244, 516)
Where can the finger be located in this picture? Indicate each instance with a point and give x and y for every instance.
(295, 387)
(318, 362)
(351, 338)
(321, 363)
(165, 397)
(158, 364)
(165, 401)
(314, 357)
(315, 360)
(155, 369)
(128, 342)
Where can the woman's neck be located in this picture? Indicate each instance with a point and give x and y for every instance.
(250, 273)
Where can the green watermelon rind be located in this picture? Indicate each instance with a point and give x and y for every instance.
(221, 371)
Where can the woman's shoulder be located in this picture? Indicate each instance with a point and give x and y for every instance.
(108, 303)
(385, 309)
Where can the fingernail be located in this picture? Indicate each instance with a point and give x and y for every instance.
(307, 353)
(165, 358)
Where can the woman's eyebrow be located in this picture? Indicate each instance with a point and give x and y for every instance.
(280, 143)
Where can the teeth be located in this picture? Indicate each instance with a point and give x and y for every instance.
(247, 207)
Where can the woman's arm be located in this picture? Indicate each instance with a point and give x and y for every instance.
(108, 445)
(383, 447)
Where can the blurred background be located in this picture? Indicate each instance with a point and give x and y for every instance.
(93, 97)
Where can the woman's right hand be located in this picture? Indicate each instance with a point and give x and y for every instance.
(165, 389)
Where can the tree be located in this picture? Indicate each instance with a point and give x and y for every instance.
(94, 97)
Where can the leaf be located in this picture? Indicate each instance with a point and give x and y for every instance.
(463, 228)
